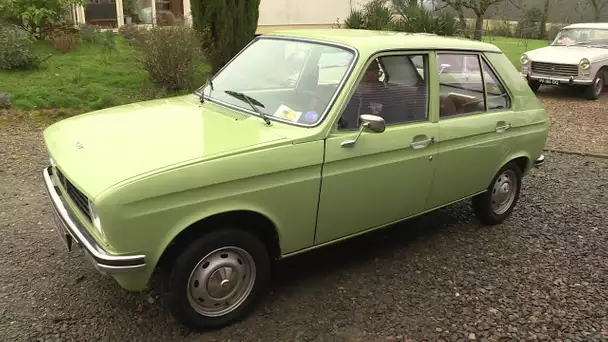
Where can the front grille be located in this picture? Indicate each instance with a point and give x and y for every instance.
(81, 201)
(554, 69)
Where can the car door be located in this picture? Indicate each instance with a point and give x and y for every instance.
(474, 126)
(382, 177)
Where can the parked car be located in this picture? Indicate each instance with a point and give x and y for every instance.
(577, 57)
(304, 139)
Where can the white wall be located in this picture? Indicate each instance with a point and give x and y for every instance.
(301, 12)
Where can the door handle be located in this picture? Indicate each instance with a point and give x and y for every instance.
(423, 143)
(501, 129)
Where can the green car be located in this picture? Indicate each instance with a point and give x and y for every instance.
(304, 139)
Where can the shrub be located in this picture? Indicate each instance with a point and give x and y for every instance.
(134, 33)
(355, 20)
(64, 42)
(225, 27)
(412, 17)
(90, 33)
(377, 15)
(6, 100)
(171, 55)
(415, 18)
(17, 49)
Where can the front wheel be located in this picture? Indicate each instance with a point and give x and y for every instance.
(534, 85)
(593, 91)
(497, 203)
(217, 279)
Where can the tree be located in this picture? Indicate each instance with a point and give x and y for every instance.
(598, 6)
(226, 26)
(479, 7)
(542, 32)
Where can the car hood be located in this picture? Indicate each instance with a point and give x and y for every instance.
(567, 54)
(102, 148)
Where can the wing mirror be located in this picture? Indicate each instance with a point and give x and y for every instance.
(373, 123)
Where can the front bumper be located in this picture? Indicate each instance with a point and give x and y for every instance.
(557, 80)
(71, 231)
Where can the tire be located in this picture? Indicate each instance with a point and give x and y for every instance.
(201, 264)
(534, 85)
(593, 91)
(483, 206)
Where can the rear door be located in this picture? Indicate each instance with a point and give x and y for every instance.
(474, 126)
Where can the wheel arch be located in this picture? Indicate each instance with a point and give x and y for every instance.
(523, 160)
(256, 222)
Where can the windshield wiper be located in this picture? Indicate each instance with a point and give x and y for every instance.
(252, 102)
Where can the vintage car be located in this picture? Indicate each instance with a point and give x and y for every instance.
(577, 57)
(305, 138)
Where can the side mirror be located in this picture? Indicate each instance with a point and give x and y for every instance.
(373, 123)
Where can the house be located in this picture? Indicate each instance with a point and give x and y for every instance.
(274, 14)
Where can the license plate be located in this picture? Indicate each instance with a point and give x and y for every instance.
(63, 234)
(548, 81)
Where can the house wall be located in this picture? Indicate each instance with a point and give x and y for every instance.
(285, 14)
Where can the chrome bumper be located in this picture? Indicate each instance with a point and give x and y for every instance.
(539, 161)
(72, 232)
(561, 79)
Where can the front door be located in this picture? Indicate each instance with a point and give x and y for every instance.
(386, 176)
(474, 127)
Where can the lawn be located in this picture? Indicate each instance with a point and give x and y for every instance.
(514, 47)
(86, 78)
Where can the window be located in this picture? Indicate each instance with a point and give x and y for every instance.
(498, 98)
(460, 84)
(393, 87)
(463, 90)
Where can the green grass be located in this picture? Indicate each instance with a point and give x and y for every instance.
(514, 47)
(84, 79)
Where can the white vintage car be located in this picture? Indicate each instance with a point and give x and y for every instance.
(578, 57)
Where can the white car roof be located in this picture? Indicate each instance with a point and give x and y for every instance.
(589, 26)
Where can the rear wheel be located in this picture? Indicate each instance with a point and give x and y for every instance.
(217, 279)
(497, 203)
(593, 91)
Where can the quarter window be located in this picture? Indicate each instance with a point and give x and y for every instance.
(463, 89)
(393, 87)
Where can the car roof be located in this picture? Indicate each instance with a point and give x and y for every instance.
(371, 40)
(588, 25)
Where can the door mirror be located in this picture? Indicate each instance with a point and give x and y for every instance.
(374, 123)
(371, 122)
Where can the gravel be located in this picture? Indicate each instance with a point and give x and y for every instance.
(541, 275)
(576, 124)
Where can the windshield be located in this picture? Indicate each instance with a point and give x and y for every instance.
(286, 80)
(582, 36)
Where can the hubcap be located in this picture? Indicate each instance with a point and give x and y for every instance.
(221, 281)
(503, 192)
(599, 84)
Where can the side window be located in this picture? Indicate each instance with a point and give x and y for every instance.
(460, 84)
(393, 87)
(498, 98)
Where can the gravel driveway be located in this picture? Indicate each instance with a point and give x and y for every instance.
(540, 275)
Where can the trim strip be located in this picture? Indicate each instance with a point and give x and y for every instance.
(101, 258)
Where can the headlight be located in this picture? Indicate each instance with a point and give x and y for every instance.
(95, 218)
(584, 64)
(524, 59)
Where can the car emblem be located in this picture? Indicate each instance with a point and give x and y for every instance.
(79, 145)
